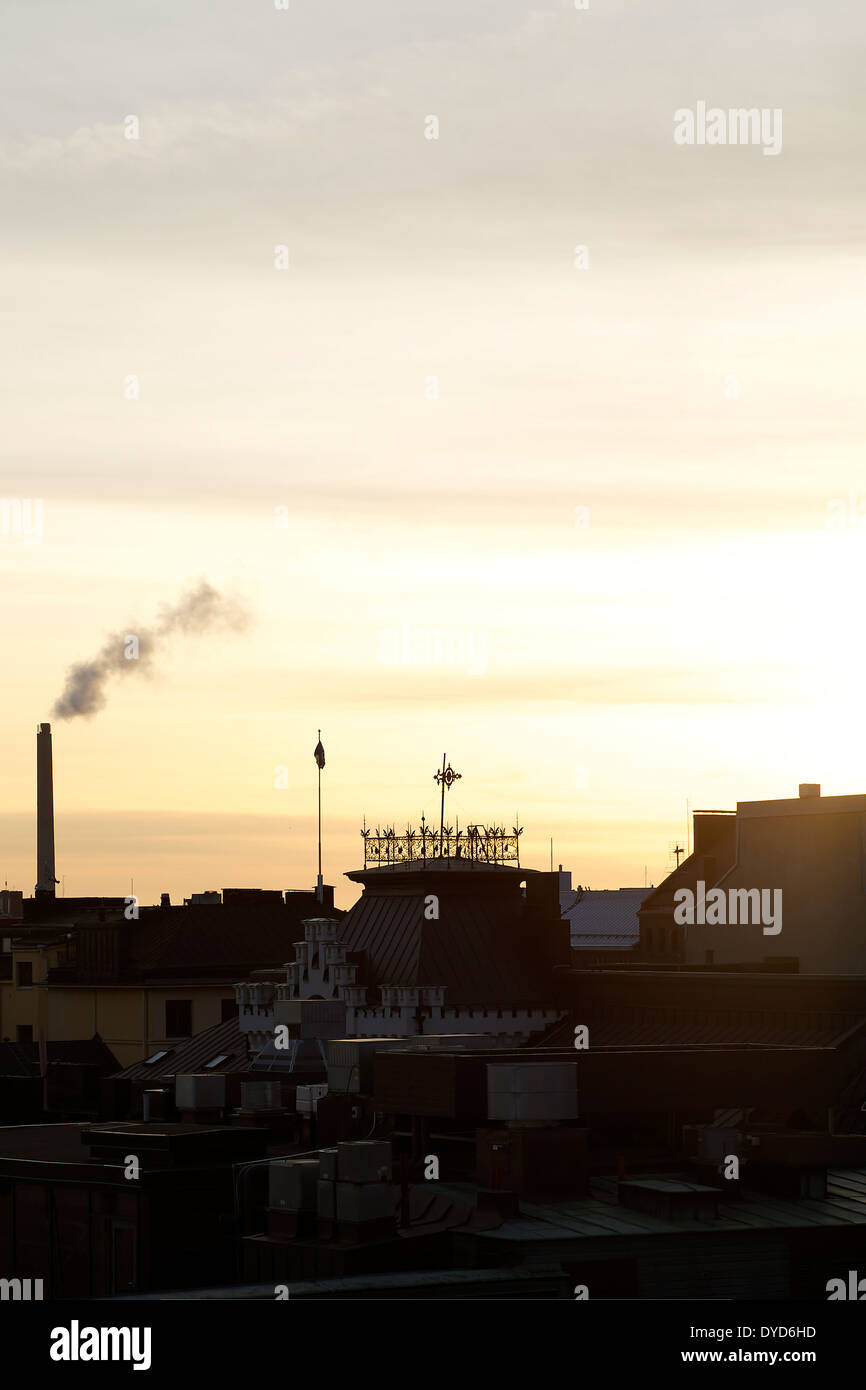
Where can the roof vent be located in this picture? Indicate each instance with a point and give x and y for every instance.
(810, 789)
(670, 1198)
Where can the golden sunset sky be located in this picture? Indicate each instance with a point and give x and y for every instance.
(695, 639)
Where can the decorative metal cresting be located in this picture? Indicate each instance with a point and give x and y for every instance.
(480, 844)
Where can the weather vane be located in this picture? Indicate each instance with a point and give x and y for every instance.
(445, 778)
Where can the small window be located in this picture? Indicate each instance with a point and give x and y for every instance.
(24, 974)
(25, 1032)
(157, 1056)
(218, 1061)
(178, 1018)
(228, 1009)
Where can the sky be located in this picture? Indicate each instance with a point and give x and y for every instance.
(591, 521)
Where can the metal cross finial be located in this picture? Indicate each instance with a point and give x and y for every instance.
(447, 775)
(445, 778)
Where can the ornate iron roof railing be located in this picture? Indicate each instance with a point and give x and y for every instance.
(480, 844)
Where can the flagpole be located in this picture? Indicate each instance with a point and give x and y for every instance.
(320, 892)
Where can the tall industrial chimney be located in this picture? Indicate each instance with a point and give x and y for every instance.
(45, 879)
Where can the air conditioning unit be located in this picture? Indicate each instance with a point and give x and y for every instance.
(200, 1092)
(260, 1095)
(364, 1161)
(326, 1198)
(292, 1183)
(307, 1098)
(350, 1062)
(715, 1143)
(359, 1202)
(328, 1164)
(535, 1091)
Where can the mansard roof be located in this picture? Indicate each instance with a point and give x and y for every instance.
(484, 946)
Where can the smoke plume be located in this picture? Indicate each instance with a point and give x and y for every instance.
(202, 609)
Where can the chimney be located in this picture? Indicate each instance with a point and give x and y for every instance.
(713, 832)
(810, 789)
(45, 879)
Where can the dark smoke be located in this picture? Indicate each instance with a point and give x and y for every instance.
(201, 610)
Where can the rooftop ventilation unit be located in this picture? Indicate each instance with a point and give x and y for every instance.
(307, 1098)
(260, 1095)
(365, 1161)
(715, 1143)
(670, 1198)
(350, 1062)
(539, 1091)
(292, 1183)
(200, 1092)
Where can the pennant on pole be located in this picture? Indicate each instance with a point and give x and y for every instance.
(319, 752)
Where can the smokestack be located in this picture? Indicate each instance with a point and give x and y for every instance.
(45, 879)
